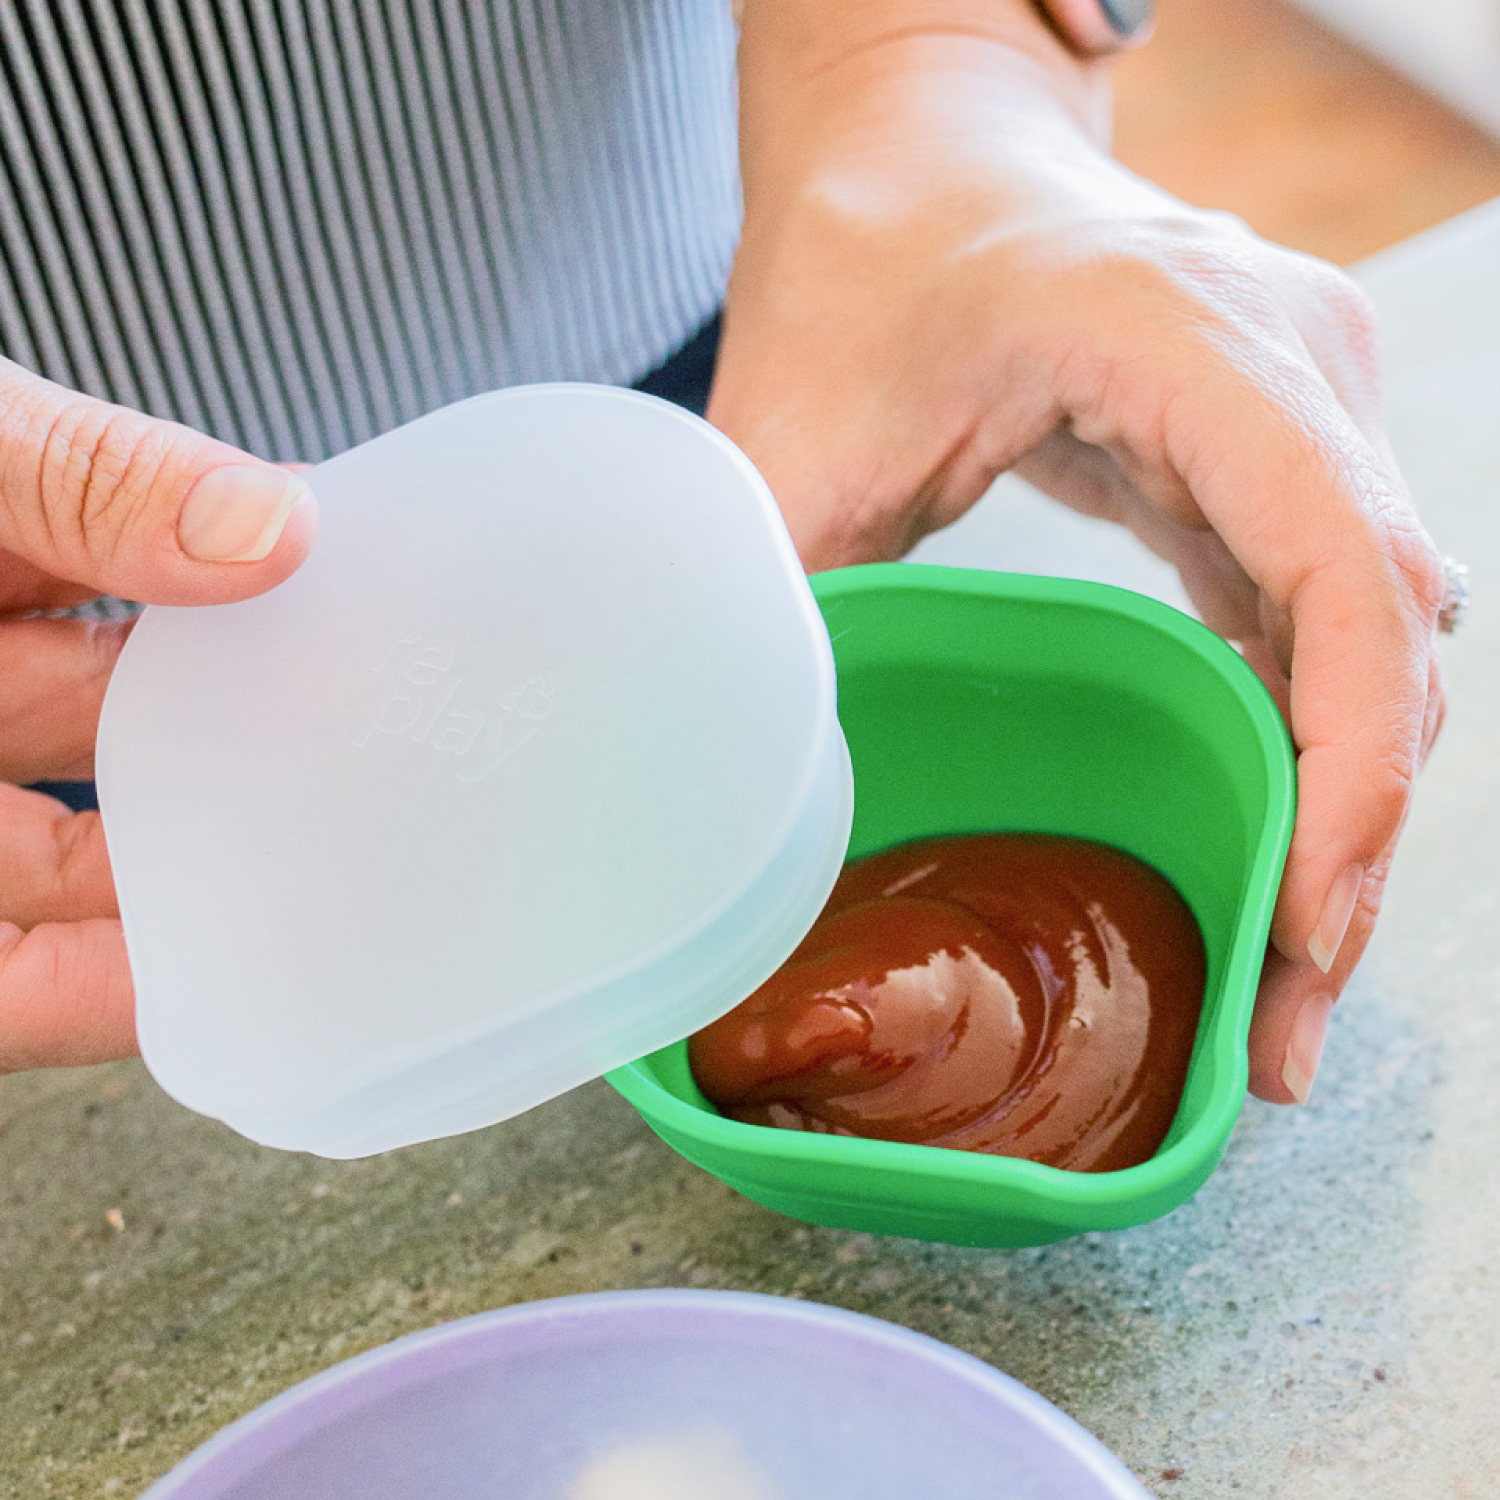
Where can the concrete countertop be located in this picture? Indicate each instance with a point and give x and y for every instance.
(1318, 1322)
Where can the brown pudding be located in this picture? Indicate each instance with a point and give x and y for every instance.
(1020, 994)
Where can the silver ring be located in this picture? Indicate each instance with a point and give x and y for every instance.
(1455, 603)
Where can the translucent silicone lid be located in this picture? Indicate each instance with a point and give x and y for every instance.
(531, 768)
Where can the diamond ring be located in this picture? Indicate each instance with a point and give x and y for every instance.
(1455, 596)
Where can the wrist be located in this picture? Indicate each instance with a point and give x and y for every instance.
(808, 57)
(811, 36)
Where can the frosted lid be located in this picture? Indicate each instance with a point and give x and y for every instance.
(531, 768)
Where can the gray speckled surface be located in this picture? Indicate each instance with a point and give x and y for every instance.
(1319, 1322)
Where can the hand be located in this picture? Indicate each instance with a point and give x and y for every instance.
(943, 276)
(97, 500)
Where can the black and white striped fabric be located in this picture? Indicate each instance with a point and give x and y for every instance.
(297, 223)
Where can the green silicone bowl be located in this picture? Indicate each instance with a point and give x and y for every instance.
(986, 701)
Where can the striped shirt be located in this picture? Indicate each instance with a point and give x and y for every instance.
(295, 224)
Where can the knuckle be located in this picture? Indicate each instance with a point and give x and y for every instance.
(1396, 775)
(1348, 307)
(1184, 259)
(1422, 570)
(1409, 571)
(1219, 267)
(1399, 558)
(1366, 911)
(97, 465)
(13, 1058)
(78, 856)
(1196, 265)
(1392, 780)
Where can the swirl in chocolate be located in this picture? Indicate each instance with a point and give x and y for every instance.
(1020, 994)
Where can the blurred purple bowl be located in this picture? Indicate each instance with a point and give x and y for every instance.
(702, 1395)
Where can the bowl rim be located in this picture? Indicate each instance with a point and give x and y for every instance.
(237, 1451)
(1064, 1196)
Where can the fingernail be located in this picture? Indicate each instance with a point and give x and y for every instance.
(1304, 1048)
(237, 513)
(1128, 17)
(1338, 909)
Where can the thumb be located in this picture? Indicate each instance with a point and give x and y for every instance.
(140, 508)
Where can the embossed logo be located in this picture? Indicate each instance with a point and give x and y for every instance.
(425, 702)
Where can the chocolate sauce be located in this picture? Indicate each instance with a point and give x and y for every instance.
(1019, 994)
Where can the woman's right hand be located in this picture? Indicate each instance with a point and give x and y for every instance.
(95, 499)
(943, 275)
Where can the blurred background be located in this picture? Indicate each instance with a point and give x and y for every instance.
(159, 1277)
(1334, 126)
